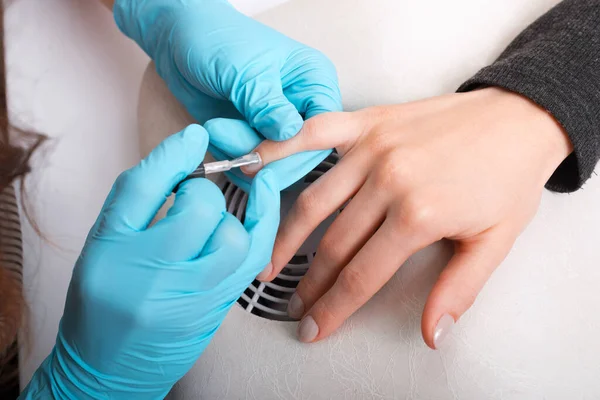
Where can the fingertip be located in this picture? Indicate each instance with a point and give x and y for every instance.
(265, 273)
(434, 327)
(197, 132)
(427, 328)
(252, 170)
(279, 120)
(195, 141)
(232, 136)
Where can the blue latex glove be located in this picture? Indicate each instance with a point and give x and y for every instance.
(144, 302)
(220, 63)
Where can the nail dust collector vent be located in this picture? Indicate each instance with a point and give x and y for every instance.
(269, 300)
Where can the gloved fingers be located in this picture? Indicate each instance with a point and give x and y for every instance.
(261, 223)
(238, 178)
(315, 99)
(98, 224)
(222, 255)
(234, 138)
(461, 281)
(265, 107)
(204, 107)
(198, 209)
(231, 138)
(312, 87)
(140, 191)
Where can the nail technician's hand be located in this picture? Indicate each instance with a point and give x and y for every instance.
(221, 63)
(467, 167)
(144, 302)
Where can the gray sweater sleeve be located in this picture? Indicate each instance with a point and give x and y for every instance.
(555, 62)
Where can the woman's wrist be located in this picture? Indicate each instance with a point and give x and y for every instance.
(538, 129)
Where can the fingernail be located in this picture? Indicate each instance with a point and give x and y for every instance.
(252, 168)
(295, 307)
(442, 329)
(307, 330)
(265, 272)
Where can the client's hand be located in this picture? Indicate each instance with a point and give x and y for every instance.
(144, 302)
(467, 167)
(220, 63)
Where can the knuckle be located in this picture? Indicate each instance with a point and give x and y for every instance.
(125, 178)
(352, 282)
(311, 127)
(307, 286)
(327, 314)
(331, 250)
(307, 203)
(417, 212)
(373, 113)
(132, 180)
(238, 240)
(393, 172)
(379, 142)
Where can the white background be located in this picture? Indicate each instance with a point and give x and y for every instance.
(73, 76)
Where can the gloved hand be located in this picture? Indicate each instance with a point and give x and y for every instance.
(144, 302)
(220, 63)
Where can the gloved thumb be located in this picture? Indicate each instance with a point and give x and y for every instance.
(460, 283)
(261, 222)
(266, 109)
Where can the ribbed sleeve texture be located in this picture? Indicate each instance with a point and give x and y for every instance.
(555, 62)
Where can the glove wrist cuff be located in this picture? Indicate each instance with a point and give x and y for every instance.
(64, 375)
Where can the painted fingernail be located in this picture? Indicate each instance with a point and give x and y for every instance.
(307, 330)
(295, 307)
(442, 329)
(252, 168)
(265, 272)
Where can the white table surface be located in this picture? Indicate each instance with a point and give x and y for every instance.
(73, 76)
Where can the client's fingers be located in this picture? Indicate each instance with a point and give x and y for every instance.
(317, 202)
(461, 281)
(368, 271)
(348, 233)
(325, 131)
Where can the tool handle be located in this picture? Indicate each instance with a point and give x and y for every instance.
(199, 172)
